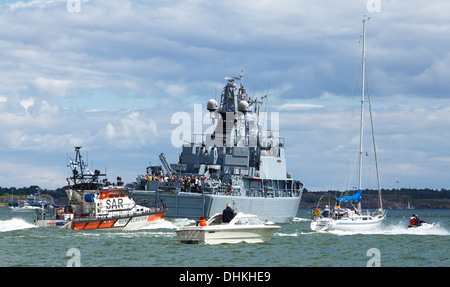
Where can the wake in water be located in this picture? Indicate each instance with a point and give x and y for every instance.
(169, 224)
(299, 219)
(401, 229)
(152, 230)
(20, 224)
(14, 224)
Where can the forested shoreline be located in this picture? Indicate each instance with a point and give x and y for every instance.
(401, 198)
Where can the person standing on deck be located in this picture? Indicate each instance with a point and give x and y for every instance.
(227, 214)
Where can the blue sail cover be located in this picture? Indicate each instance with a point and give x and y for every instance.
(354, 197)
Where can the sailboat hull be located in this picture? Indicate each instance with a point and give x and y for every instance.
(353, 224)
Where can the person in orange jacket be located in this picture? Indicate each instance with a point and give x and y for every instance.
(414, 221)
(202, 221)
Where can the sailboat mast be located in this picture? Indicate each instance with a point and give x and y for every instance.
(362, 104)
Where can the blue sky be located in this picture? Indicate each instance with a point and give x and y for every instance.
(110, 76)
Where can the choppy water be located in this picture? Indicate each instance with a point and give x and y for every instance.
(294, 245)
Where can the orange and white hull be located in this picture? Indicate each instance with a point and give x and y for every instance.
(126, 223)
(119, 223)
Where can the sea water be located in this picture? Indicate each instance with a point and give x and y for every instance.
(293, 245)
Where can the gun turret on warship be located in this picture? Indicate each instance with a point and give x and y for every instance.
(241, 162)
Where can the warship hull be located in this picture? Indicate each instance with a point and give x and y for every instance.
(194, 205)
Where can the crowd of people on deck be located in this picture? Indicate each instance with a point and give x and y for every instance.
(188, 183)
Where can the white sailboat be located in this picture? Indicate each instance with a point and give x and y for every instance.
(346, 219)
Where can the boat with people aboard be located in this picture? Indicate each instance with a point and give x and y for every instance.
(241, 161)
(242, 228)
(23, 207)
(31, 203)
(346, 219)
(355, 219)
(95, 203)
(415, 222)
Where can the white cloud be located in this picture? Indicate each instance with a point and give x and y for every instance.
(175, 90)
(19, 175)
(110, 76)
(292, 107)
(32, 4)
(51, 86)
(132, 131)
(26, 103)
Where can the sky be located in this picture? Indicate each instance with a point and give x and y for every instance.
(109, 76)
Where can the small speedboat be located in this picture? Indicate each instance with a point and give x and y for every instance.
(242, 228)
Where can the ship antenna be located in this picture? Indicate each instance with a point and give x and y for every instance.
(241, 76)
(266, 96)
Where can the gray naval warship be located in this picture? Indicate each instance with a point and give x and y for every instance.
(241, 163)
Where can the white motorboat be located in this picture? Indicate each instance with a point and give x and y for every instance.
(242, 228)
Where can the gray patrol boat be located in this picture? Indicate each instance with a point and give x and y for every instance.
(240, 163)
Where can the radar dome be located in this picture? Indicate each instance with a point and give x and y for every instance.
(211, 105)
(243, 106)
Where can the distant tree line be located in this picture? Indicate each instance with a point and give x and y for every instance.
(392, 198)
(33, 189)
(421, 193)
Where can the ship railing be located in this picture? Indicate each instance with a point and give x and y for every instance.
(46, 212)
(191, 236)
(287, 192)
(152, 204)
(169, 186)
(227, 190)
(257, 192)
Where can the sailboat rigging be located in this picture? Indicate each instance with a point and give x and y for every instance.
(346, 219)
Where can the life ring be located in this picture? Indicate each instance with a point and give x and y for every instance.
(60, 210)
(317, 212)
